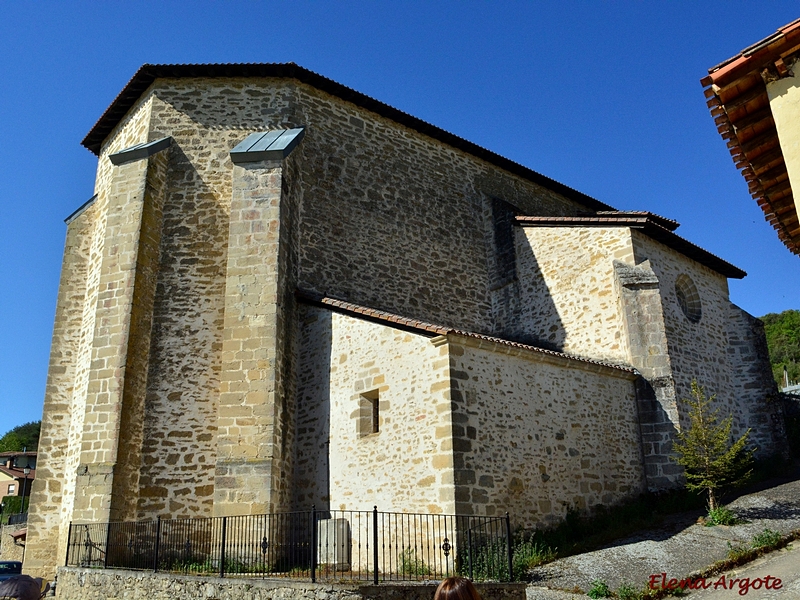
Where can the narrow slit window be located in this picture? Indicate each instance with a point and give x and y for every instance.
(370, 419)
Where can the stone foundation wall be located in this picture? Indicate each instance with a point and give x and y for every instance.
(95, 584)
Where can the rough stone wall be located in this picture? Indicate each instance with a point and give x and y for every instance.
(42, 550)
(62, 410)
(206, 120)
(649, 352)
(10, 549)
(385, 206)
(696, 350)
(407, 465)
(254, 454)
(754, 388)
(93, 584)
(566, 277)
(107, 484)
(535, 435)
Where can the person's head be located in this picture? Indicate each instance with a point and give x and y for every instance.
(456, 588)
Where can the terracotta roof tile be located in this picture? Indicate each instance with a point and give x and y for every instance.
(422, 326)
(740, 107)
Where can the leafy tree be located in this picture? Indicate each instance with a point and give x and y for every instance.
(783, 341)
(22, 436)
(712, 459)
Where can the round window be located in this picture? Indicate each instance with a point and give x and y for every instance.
(688, 298)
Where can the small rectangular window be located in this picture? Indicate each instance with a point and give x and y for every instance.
(11, 488)
(369, 416)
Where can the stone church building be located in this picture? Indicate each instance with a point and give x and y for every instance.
(286, 293)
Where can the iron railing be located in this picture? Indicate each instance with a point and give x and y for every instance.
(18, 518)
(324, 545)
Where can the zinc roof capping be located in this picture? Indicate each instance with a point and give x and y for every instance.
(430, 329)
(148, 73)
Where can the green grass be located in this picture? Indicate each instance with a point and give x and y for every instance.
(761, 543)
(409, 563)
(766, 539)
(599, 589)
(627, 592)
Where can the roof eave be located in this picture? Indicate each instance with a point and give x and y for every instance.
(147, 74)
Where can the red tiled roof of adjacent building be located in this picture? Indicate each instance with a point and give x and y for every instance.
(737, 97)
(17, 473)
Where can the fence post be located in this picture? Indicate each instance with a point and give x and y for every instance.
(69, 539)
(375, 543)
(158, 543)
(314, 543)
(510, 550)
(469, 550)
(108, 540)
(222, 548)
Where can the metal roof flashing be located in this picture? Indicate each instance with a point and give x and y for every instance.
(140, 151)
(269, 145)
(80, 210)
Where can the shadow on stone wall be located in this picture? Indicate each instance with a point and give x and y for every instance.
(311, 481)
(185, 349)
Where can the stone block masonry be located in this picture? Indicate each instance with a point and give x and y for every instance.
(187, 380)
(92, 584)
(252, 457)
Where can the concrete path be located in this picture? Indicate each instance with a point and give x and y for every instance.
(678, 548)
(775, 576)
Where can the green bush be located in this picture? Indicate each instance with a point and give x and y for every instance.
(489, 561)
(12, 505)
(722, 515)
(737, 552)
(599, 589)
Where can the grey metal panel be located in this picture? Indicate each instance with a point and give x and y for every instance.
(269, 145)
(288, 141)
(267, 140)
(140, 151)
(79, 211)
(247, 143)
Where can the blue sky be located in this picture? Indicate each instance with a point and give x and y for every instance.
(602, 96)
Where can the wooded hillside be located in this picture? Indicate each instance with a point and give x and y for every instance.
(783, 339)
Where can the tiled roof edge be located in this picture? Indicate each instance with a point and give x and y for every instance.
(148, 73)
(647, 226)
(429, 329)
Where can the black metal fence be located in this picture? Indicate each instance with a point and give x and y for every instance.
(315, 545)
(18, 518)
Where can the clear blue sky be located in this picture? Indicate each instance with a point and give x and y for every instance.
(602, 96)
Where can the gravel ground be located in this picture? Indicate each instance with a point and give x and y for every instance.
(678, 547)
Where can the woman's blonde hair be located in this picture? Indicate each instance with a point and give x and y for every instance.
(456, 588)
